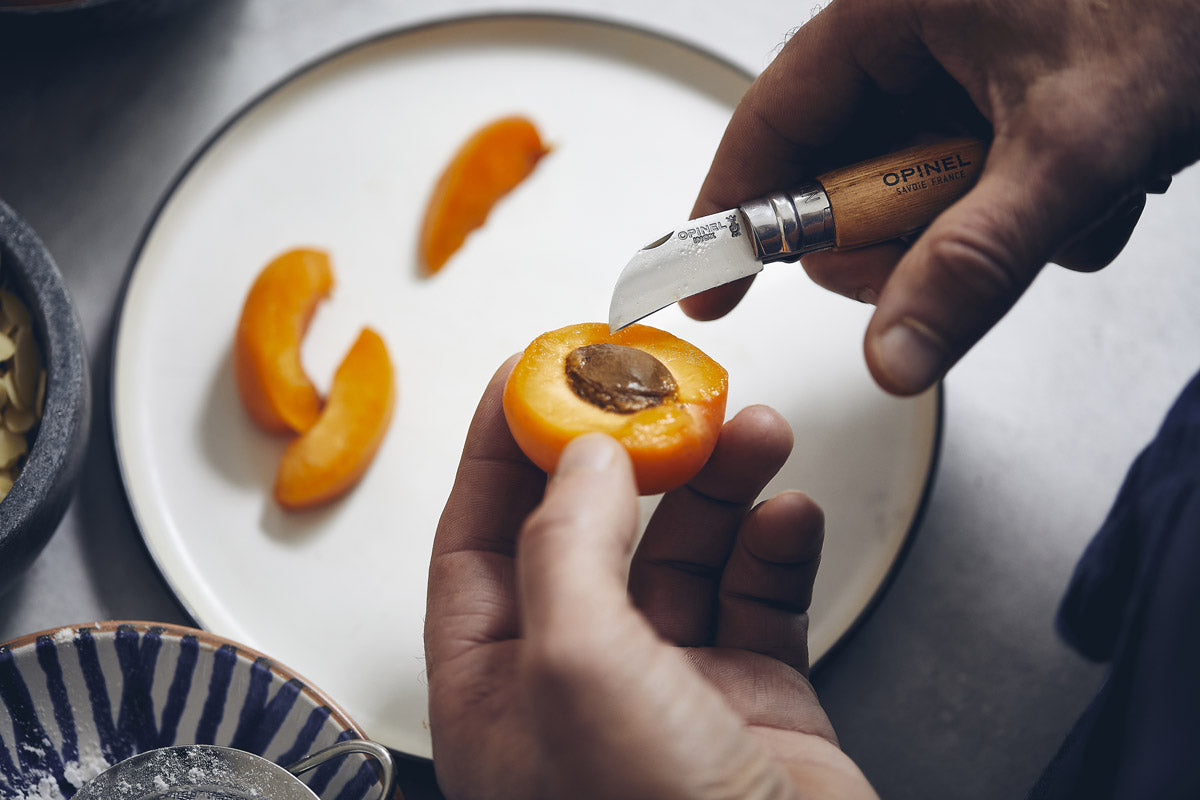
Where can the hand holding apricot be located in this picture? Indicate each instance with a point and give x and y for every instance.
(677, 650)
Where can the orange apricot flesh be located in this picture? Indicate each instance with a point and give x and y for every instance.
(334, 454)
(667, 443)
(272, 383)
(489, 165)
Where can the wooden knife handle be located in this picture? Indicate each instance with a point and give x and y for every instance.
(901, 192)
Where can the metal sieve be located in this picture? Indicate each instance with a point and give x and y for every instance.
(210, 772)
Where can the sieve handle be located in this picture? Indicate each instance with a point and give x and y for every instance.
(366, 747)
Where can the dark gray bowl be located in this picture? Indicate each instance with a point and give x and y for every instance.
(85, 17)
(33, 508)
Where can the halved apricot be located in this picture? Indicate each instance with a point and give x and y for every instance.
(581, 378)
(333, 455)
(488, 166)
(271, 380)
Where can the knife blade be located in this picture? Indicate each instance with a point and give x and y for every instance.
(844, 209)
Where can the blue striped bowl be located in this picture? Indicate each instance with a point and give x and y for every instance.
(79, 699)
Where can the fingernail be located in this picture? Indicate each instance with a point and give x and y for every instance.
(587, 453)
(911, 355)
(867, 295)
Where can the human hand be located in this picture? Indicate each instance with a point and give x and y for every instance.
(1086, 103)
(562, 663)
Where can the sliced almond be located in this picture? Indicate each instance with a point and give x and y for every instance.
(14, 310)
(22, 386)
(12, 447)
(19, 420)
(26, 366)
(7, 389)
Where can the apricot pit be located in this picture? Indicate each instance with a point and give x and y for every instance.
(619, 378)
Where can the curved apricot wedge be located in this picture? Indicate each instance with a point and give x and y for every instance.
(659, 396)
(333, 455)
(276, 391)
(488, 166)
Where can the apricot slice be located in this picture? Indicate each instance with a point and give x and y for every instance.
(333, 455)
(489, 165)
(582, 378)
(276, 391)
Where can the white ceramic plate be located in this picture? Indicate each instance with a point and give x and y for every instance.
(343, 156)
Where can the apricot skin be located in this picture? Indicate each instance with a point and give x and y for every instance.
(490, 164)
(334, 454)
(668, 443)
(271, 381)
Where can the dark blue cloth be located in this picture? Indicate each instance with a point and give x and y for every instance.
(1134, 602)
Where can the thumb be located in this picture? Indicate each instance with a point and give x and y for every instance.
(584, 645)
(968, 269)
(574, 549)
(599, 686)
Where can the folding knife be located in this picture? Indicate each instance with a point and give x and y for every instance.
(843, 209)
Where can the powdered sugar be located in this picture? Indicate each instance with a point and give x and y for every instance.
(43, 786)
(90, 764)
(64, 636)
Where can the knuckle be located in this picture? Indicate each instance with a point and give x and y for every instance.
(1074, 134)
(977, 265)
(1077, 159)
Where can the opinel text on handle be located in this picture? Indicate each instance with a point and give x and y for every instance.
(900, 193)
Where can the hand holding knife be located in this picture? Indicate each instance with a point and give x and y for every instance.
(843, 209)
